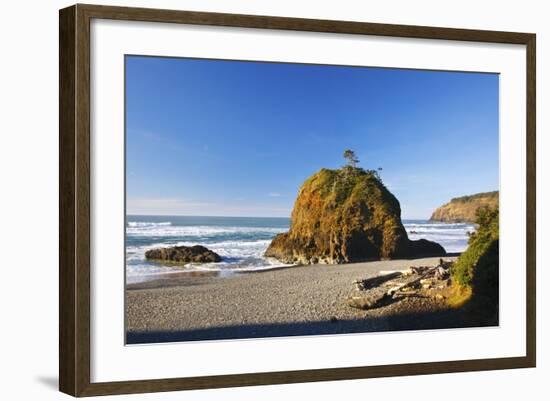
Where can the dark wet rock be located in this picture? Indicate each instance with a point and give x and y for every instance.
(184, 254)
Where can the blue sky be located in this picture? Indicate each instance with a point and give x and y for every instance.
(230, 138)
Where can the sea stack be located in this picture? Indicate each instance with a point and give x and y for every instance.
(343, 216)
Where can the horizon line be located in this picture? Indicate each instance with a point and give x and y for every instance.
(251, 217)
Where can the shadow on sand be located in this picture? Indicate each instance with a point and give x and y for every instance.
(443, 319)
(481, 310)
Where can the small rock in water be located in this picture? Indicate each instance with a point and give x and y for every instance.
(184, 254)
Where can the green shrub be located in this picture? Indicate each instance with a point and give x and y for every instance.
(478, 259)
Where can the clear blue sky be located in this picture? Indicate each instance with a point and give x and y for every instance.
(229, 138)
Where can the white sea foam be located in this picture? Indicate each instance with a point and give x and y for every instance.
(451, 236)
(438, 225)
(148, 224)
(236, 257)
(228, 249)
(196, 231)
(242, 247)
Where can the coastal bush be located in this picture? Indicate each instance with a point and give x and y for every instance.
(475, 273)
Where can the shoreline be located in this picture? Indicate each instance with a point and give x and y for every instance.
(298, 300)
(160, 278)
(241, 242)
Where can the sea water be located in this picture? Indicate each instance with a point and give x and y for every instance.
(240, 241)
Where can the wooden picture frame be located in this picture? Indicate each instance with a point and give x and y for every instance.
(74, 199)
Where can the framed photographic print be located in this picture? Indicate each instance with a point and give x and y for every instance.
(251, 200)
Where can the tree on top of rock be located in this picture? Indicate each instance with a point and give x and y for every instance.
(351, 170)
(350, 156)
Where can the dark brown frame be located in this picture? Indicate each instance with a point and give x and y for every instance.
(74, 199)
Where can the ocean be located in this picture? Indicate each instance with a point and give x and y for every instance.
(240, 241)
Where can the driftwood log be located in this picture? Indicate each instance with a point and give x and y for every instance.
(374, 292)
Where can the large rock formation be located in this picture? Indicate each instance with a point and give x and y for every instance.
(343, 216)
(184, 254)
(463, 209)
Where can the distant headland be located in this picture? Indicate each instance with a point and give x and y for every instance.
(464, 208)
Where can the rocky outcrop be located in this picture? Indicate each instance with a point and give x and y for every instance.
(183, 254)
(343, 216)
(463, 209)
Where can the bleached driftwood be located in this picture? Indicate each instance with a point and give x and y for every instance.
(380, 295)
(370, 299)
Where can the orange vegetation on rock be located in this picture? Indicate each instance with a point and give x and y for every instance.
(346, 215)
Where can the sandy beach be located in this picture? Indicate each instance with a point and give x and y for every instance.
(302, 300)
